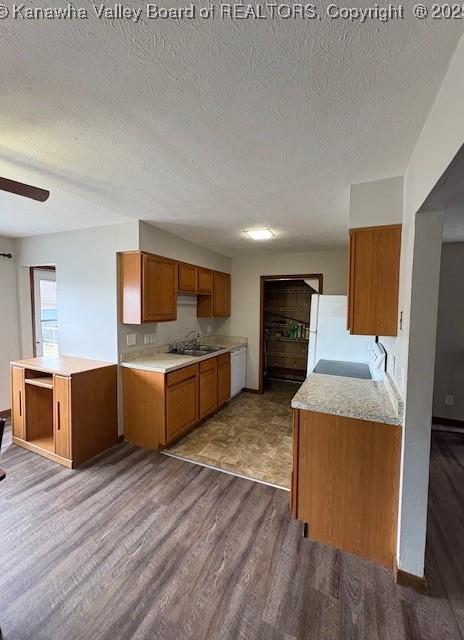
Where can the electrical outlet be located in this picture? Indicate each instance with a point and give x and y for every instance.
(152, 338)
(146, 338)
(131, 339)
(449, 399)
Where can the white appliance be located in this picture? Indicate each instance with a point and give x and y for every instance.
(238, 359)
(329, 338)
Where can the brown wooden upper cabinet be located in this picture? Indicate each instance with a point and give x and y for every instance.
(374, 267)
(218, 304)
(205, 280)
(148, 286)
(187, 277)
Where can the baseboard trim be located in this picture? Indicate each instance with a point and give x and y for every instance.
(5, 414)
(405, 579)
(448, 422)
(248, 390)
(121, 438)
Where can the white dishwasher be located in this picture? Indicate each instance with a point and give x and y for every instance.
(238, 370)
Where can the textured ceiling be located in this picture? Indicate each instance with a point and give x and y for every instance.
(206, 128)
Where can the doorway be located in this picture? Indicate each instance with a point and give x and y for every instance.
(284, 327)
(44, 312)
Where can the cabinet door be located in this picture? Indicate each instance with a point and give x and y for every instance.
(208, 390)
(205, 280)
(17, 401)
(187, 277)
(181, 406)
(223, 384)
(374, 280)
(221, 294)
(62, 416)
(159, 289)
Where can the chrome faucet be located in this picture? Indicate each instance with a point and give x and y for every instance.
(197, 339)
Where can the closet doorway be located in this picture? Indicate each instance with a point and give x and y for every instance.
(284, 326)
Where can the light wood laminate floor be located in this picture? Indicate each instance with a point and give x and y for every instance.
(251, 436)
(140, 546)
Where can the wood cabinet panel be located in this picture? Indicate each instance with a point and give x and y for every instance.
(144, 414)
(223, 383)
(374, 280)
(66, 418)
(158, 289)
(347, 484)
(181, 407)
(205, 280)
(209, 389)
(187, 277)
(181, 374)
(62, 415)
(221, 294)
(17, 401)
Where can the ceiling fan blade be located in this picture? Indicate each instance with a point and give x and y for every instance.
(26, 190)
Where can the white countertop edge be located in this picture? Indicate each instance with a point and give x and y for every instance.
(144, 364)
(305, 406)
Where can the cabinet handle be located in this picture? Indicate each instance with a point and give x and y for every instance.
(58, 415)
(20, 405)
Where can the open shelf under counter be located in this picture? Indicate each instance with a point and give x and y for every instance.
(41, 381)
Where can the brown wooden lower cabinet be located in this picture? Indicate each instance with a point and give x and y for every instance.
(64, 409)
(159, 407)
(208, 387)
(345, 483)
(223, 382)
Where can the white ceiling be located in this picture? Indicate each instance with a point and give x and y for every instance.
(206, 128)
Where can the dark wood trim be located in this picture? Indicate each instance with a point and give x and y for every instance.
(448, 422)
(405, 579)
(263, 279)
(6, 413)
(121, 438)
(31, 283)
(248, 390)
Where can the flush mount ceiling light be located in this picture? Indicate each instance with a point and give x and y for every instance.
(260, 234)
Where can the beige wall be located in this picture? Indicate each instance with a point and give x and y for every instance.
(376, 203)
(246, 272)
(449, 363)
(414, 348)
(9, 319)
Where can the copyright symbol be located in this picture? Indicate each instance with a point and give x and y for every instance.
(420, 11)
(3, 12)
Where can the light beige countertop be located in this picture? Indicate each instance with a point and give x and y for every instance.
(157, 359)
(350, 397)
(61, 365)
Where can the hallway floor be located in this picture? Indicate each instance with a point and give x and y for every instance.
(251, 436)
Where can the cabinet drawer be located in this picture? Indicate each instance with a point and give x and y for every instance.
(209, 364)
(181, 374)
(224, 359)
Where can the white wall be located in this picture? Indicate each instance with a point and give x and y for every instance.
(166, 244)
(85, 263)
(449, 363)
(376, 203)
(9, 320)
(440, 139)
(246, 272)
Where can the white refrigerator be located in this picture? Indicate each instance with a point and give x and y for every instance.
(329, 338)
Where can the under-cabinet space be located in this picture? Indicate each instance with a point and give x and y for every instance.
(39, 412)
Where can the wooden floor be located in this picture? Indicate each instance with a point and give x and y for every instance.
(138, 545)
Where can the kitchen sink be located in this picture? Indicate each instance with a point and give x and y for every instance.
(197, 352)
